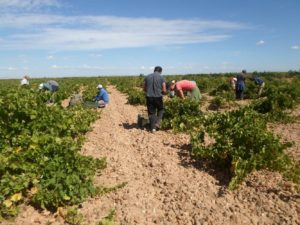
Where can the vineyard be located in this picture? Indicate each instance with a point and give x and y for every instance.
(223, 161)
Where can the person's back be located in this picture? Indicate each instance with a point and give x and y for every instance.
(240, 78)
(24, 81)
(103, 95)
(53, 85)
(185, 85)
(232, 82)
(154, 85)
(240, 85)
(258, 81)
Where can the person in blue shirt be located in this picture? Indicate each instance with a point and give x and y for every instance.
(51, 86)
(102, 97)
(258, 81)
(240, 85)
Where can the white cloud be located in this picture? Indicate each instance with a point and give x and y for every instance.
(52, 32)
(58, 67)
(10, 68)
(96, 55)
(50, 57)
(295, 47)
(261, 42)
(89, 67)
(81, 67)
(26, 4)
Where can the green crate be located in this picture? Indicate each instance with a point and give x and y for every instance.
(143, 121)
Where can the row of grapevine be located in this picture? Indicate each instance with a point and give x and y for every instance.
(40, 160)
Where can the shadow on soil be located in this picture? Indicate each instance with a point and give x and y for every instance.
(129, 126)
(187, 160)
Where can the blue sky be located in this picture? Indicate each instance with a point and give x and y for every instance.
(128, 37)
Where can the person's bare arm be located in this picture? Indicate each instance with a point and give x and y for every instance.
(145, 87)
(180, 94)
(164, 88)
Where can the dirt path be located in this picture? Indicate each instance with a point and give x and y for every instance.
(164, 185)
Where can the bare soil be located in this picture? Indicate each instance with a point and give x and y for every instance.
(165, 185)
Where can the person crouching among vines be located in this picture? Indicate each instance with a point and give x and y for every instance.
(102, 97)
(25, 81)
(51, 86)
(260, 83)
(190, 87)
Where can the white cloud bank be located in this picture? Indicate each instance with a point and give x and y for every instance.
(295, 47)
(7, 5)
(54, 32)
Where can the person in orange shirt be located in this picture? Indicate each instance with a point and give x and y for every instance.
(188, 86)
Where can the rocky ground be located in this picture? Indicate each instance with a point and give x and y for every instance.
(165, 185)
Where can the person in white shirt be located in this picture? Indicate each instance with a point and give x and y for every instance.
(25, 80)
(232, 82)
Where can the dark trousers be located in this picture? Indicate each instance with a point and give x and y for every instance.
(239, 94)
(155, 107)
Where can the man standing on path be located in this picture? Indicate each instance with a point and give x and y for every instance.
(155, 87)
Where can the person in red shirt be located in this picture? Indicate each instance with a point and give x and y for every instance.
(186, 86)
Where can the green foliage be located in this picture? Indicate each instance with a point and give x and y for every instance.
(39, 152)
(276, 101)
(241, 144)
(136, 97)
(181, 115)
(225, 87)
(217, 103)
(133, 87)
(109, 219)
(73, 217)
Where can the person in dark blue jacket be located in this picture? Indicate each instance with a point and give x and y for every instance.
(102, 97)
(258, 81)
(240, 85)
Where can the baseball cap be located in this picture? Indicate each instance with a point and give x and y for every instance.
(99, 86)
